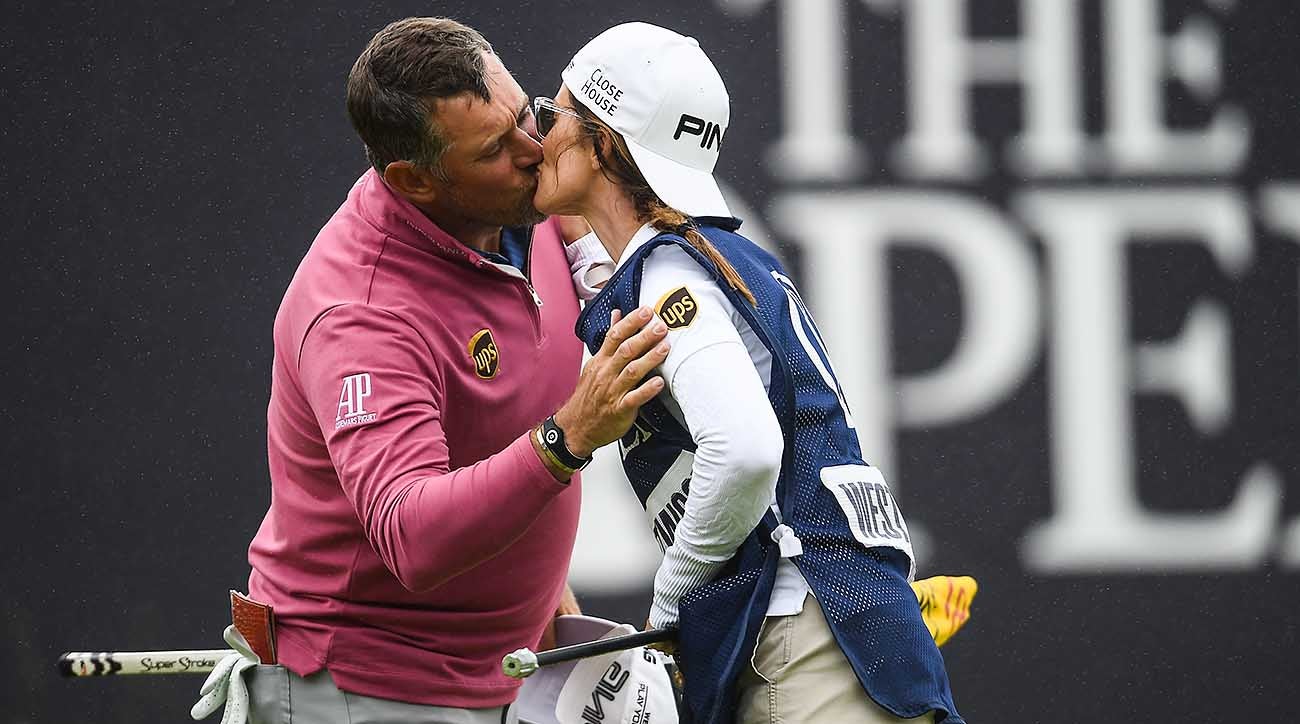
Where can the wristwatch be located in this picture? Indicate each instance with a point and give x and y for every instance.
(551, 438)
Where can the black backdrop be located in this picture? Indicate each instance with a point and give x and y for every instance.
(165, 167)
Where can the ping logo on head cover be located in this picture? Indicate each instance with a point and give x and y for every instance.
(677, 308)
(483, 350)
(708, 131)
(612, 682)
(352, 401)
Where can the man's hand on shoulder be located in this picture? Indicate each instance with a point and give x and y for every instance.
(613, 385)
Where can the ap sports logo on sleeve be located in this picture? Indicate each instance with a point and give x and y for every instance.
(677, 308)
(352, 402)
(483, 350)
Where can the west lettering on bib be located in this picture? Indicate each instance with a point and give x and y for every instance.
(869, 506)
(677, 308)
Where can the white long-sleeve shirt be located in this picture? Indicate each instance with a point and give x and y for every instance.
(590, 265)
(717, 373)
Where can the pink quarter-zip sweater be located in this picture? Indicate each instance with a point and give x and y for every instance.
(414, 537)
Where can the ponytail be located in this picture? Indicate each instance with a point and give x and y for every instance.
(617, 164)
(663, 216)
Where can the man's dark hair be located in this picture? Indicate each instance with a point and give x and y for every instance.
(395, 82)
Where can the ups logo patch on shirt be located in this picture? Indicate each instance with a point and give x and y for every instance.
(677, 308)
(483, 350)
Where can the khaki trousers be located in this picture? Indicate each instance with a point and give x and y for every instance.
(800, 675)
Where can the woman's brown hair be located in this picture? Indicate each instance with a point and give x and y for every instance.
(617, 164)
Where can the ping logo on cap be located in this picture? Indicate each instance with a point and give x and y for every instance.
(708, 131)
(677, 308)
(483, 350)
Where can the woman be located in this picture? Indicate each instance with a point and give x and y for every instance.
(775, 532)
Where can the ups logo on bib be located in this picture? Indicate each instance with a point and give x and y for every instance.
(677, 308)
(483, 350)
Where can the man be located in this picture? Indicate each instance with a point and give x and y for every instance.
(421, 519)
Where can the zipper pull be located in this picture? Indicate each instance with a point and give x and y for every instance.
(536, 299)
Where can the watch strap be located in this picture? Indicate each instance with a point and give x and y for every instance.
(552, 441)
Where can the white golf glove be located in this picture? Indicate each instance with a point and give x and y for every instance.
(226, 683)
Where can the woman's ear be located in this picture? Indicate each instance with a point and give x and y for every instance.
(604, 148)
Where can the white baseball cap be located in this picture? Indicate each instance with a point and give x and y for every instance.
(625, 687)
(661, 93)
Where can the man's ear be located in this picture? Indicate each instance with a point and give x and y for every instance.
(417, 184)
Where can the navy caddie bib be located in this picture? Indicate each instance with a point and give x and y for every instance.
(856, 550)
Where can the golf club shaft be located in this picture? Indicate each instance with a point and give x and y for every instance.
(524, 662)
(605, 646)
(123, 663)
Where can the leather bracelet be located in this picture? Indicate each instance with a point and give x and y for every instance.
(551, 438)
